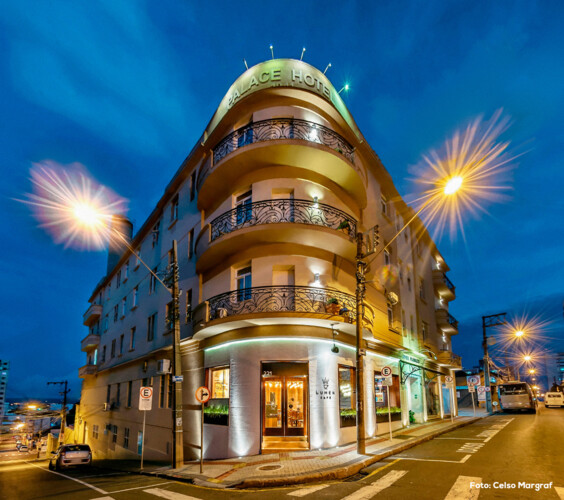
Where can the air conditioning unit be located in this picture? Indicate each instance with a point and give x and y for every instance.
(221, 312)
(393, 298)
(107, 406)
(163, 366)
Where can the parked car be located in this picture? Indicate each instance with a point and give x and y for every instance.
(554, 399)
(23, 448)
(516, 396)
(70, 454)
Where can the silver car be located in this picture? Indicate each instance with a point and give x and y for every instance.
(70, 454)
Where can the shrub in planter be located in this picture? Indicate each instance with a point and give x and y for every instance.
(348, 418)
(216, 414)
(332, 306)
(382, 414)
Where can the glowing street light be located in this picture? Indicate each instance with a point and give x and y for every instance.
(519, 333)
(453, 185)
(527, 358)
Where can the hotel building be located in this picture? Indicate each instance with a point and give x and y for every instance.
(265, 211)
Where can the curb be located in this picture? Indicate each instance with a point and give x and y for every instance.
(346, 471)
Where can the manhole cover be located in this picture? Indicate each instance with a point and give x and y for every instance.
(270, 467)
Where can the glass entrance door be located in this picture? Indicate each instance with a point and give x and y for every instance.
(284, 406)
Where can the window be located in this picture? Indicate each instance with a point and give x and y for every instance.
(382, 397)
(108, 393)
(409, 284)
(153, 281)
(387, 260)
(384, 205)
(421, 288)
(424, 330)
(129, 393)
(192, 186)
(244, 284)
(123, 304)
(126, 437)
(116, 312)
(148, 382)
(114, 433)
(132, 339)
(390, 316)
(113, 351)
(403, 325)
(151, 320)
(126, 271)
(245, 136)
(103, 358)
(95, 431)
(170, 393)
(155, 234)
(118, 279)
(162, 391)
(243, 205)
(106, 323)
(189, 305)
(135, 297)
(191, 243)
(219, 378)
(169, 315)
(411, 325)
(137, 258)
(109, 292)
(139, 442)
(118, 394)
(121, 342)
(174, 209)
(347, 391)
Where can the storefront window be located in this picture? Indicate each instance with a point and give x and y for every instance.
(220, 383)
(381, 398)
(216, 410)
(347, 395)
(432, 396)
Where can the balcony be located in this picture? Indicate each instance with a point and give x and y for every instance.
(446, 321)
(86, 370)
(297, 225)
(91, 341)
(304, 147)
(449, 359)
(92, 314)
(443, 285)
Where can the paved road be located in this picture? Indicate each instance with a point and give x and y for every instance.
(498, 453)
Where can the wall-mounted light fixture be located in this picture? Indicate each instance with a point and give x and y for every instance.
(316, 277)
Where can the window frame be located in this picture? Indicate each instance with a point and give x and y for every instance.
(343, 421)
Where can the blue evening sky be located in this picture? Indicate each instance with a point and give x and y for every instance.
(126, 88)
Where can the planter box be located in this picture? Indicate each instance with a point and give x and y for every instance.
(216, 419)
(348, 421)
(383, 417)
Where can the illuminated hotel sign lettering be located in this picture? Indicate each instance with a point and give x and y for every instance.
(281, 73)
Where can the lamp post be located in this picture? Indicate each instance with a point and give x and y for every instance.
(64, 409)
(488, 321)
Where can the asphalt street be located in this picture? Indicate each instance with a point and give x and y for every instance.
(509, 456)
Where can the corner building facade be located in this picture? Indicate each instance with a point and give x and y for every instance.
(266, 210)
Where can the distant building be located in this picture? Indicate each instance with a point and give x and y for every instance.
(4, 370)
(266, 210)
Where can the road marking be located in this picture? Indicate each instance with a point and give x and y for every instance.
(306, 491)
(71, 478)
(559, 491)
(103, 498)
(170, 495)
(477, 439)
(376, 487)
(435, 459)
(461, 489)
(470, 447)
(140, 487)
(381, 468)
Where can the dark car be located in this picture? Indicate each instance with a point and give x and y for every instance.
(70, 454)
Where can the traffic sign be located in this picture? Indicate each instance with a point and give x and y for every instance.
(471, 388)
(481, 389)
(448, 379)
(473, 380)
(203, 394)
(145, 398)
(488, 388)
(386, 371)
(178, 378)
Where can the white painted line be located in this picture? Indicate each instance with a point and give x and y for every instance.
(139, 487)
(477, 439)
(71, 478)
(559, 491)
(377, 486)
(103, 498)
(171, 495)
(435, 460)
(461, 489)
(465, 458)
(306, 491)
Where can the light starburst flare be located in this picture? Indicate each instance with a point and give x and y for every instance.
(470, 171)
(71, 206)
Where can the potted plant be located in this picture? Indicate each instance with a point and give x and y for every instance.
(348, 417)
(344, 225)
(332, 306)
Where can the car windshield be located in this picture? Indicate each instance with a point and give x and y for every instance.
(76, 447)
(512, 389)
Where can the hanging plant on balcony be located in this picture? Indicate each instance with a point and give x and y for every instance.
(345, 224)
(332, 306)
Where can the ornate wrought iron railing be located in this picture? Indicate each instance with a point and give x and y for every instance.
(452, 320)
(283, 210)
(282, 128)
(261, 299)
(448, 282)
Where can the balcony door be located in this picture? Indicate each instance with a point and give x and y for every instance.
(285, 205)
(285, 277)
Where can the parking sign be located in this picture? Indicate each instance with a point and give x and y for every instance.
(145, 398)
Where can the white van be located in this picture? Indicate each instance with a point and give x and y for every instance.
(554, 399)
(516, 396)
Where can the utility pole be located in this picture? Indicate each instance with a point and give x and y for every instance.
(64, 409)
(488, 321)
(177, 427)
(360, 292)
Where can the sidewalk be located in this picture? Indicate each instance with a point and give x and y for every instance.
(286, 468)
